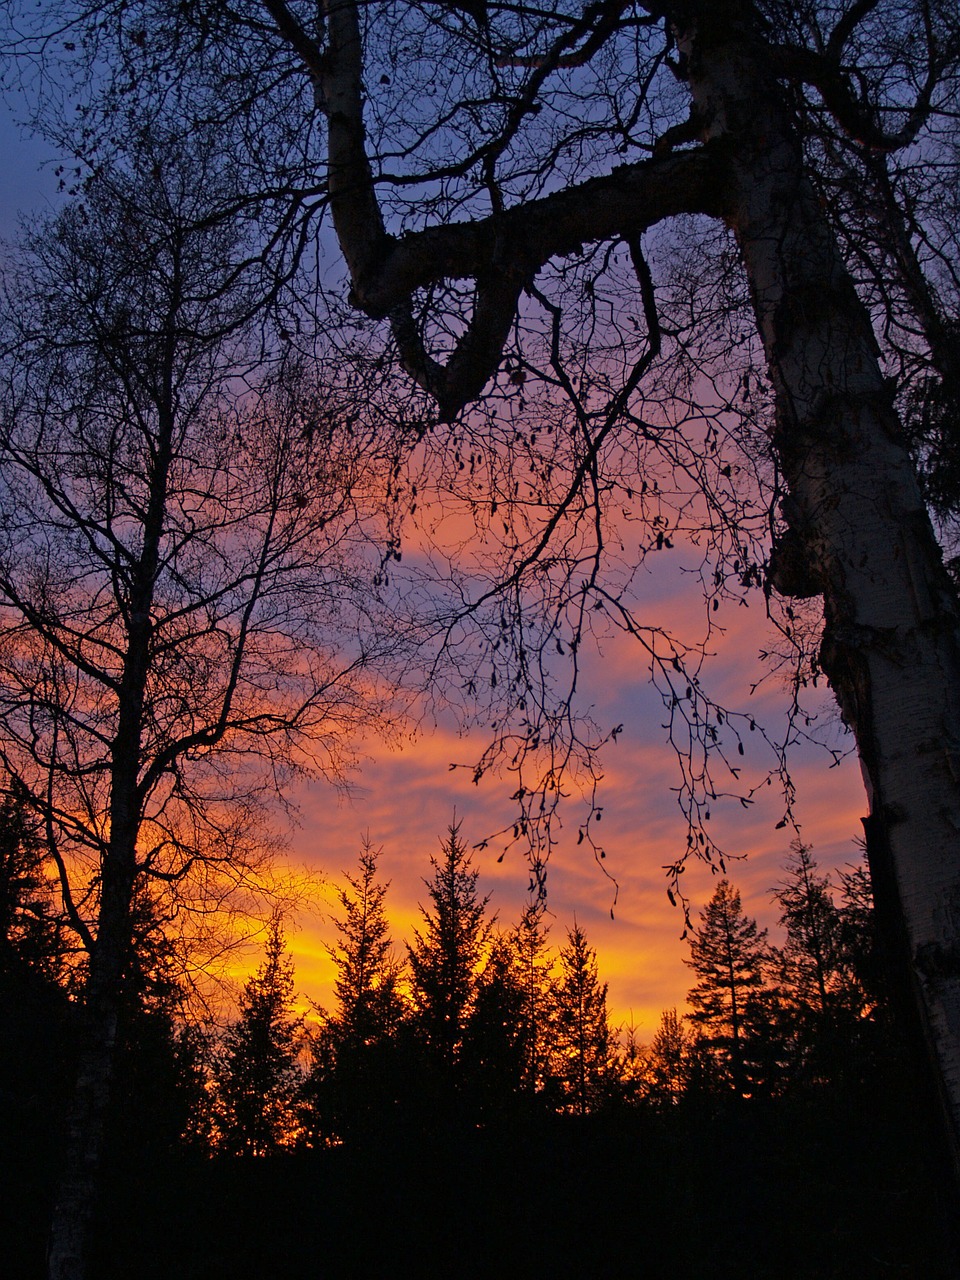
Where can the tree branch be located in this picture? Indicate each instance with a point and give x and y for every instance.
(504, 252)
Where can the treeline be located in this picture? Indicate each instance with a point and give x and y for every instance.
(471, 1075)
(481, 1021)
(470, 1018)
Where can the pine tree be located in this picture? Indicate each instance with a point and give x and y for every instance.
(730, 956)
(667, 1060)
(447, 954)
(368, 973)
(581, 1034)
(259, 1076)
(534, 966)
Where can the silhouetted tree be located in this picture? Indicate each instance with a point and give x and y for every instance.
(864, 981)
(356, 1054)
(809, 957)
(492, 227)
(812, 970)
(186, 601)
(38, 1033)
(369, 1005)
(667, 1065)
(259, 1077)
(32, 931)
(447, 953)
(495, 1042)
(730, 956)
(534, 968)
(832, 985)
(581, 1045)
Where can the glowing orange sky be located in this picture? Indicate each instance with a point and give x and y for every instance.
(405, 800)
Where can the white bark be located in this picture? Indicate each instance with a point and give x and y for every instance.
(890, 646)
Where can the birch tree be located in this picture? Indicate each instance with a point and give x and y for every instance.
(184, 578)
(491, 175)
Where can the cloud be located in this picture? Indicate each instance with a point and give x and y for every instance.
(406, 798)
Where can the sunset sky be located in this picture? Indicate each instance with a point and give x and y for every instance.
(404, 798)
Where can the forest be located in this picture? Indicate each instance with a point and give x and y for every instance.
(467, 1098)
(374, 365)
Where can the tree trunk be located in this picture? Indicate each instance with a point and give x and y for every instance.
(890, 645)
(79, 1185)
(78, 1192)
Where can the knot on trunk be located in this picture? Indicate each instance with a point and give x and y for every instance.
(791, 571)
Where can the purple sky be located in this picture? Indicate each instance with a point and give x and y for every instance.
(405, 798)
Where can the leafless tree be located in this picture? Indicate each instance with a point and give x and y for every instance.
(188, 538)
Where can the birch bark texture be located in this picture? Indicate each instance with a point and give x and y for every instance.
(890, 641)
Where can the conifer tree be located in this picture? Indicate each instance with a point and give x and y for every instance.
(863, 979)
(534, 966)
(448, 951)
(259, 1075)
(730, 956)
(809, 958)
(159, 1096)
(351, 1084)
(830, 969)
(369, 1005)
(31, 928)
(495, 1037)
(667, 1060)
(581, 1033)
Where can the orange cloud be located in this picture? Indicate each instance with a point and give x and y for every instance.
(405, 799)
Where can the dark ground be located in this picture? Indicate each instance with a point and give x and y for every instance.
(775, 1190)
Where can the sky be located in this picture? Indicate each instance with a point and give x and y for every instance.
(404, 798)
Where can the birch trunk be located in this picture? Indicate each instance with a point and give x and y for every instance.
(79, 1185)
(76, 1202)
(890, 644)
(78, 1192)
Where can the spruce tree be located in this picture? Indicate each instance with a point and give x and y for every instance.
(369, 1005)
(810, 956)
(863, 980)
(448, 951)
(829, 968)
(495, 1037)
(668, 1060)
(581, 1034)
(259, 1075)
(31, 927)
(352, 1085)
(730, 956)
(534, 967)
